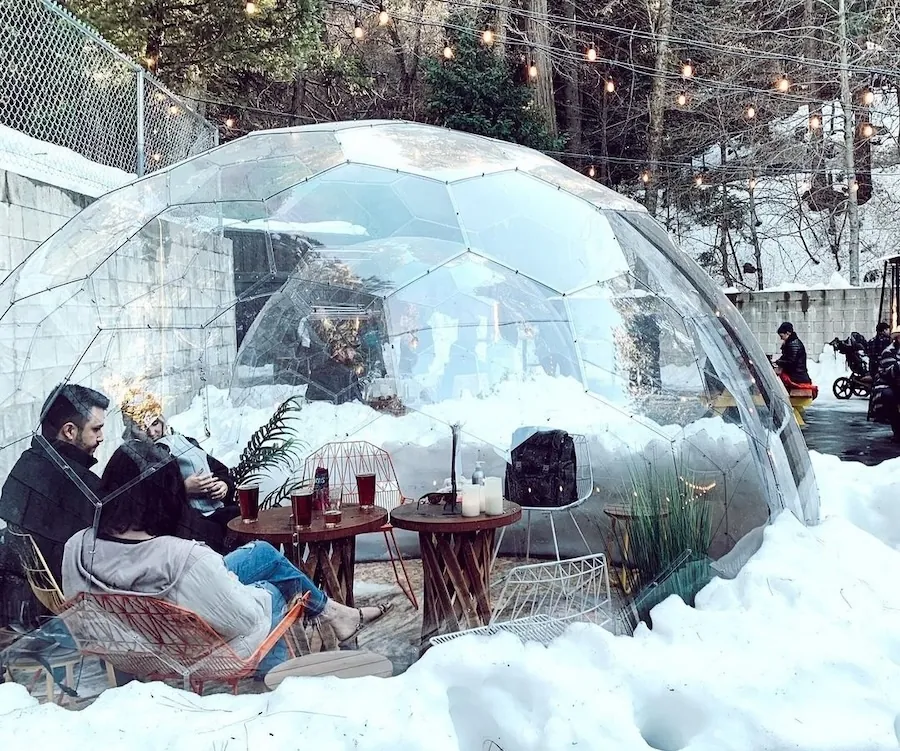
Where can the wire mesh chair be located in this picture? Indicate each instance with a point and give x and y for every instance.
(153, 639)
(539, 601)
(584, 485)
(344, 460)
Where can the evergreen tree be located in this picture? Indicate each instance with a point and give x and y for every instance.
(476, 91)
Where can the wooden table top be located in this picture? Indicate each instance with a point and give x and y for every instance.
(274, 525)
(431, 518)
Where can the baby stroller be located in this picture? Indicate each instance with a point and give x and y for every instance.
(859, 383)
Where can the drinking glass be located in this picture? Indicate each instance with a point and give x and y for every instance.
(248, 500)
(365, 487)
(302, 505)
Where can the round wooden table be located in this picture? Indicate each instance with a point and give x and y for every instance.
(327, 556)
(456, 562)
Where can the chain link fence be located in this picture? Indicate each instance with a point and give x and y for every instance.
(60, 82)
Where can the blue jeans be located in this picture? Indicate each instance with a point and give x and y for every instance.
(261, 565)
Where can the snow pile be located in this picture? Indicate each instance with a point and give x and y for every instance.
(799, 651)
(830, 366)
(865, 496)
(57, 165)
(835, 282)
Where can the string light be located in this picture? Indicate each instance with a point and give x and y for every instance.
(150, 61)
(681, 99)
(384, 18)
(610, 86)
(868, 97)
(592, 172)
(868, 131)
(173, 110)
(448, 52)
(645, 177)
(160, 96)
(697, 488)
(687, 70)
(250, 8)
(229, 122)
(698, 181)
(487, 37)
(815, 122)
(750, 112)
(591, 54)
(854, 186)
(532, 71)
(752, 183)
(358, 31)
(156, 157)
(783, 85)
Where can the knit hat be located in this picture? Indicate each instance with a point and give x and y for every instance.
(786, 328)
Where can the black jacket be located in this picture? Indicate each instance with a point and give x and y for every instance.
(41, 499)
(793, 359)
(876, 346)
(885, 391)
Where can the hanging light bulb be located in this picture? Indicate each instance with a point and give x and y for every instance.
(867, 130)
(448, 52)
(173, 109)
(687, 70)
(854, 186)
(156, 157)
(384, 18)
(681, 99)
(532, 71)
(868, 97)
(698, 181)
(150, 60)
(815, 122)
(750, 112)
(358, 31)
(229, 122)
(645, 177)
(251, 8)
(610, 86)
(591, 54)
(783, 85)
(487, 36)
(592, 172)
(752, 183)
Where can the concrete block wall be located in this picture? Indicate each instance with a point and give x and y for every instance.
(149, 312)
(31, 211)
(818, 315)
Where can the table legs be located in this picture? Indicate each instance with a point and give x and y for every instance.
(330, 565)
(457, 571)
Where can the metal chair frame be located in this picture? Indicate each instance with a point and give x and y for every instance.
(346, 459)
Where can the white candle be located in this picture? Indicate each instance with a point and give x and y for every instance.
(470, 504)
(493, 496)
(482, 498)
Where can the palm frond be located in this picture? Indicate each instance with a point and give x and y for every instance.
(273, 446)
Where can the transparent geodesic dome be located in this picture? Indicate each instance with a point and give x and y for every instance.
(401, 279)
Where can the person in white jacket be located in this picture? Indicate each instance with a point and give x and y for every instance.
(242, 595)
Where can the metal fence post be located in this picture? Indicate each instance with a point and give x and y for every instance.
(139, 112)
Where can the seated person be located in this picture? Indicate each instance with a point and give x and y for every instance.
(791, 366)
(242, 596)
(208, 484)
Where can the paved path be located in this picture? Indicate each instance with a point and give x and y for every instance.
(840, 428)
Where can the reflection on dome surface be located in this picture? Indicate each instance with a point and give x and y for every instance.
(406, 278)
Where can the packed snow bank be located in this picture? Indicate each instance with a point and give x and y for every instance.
(866, 496)
(799, 651)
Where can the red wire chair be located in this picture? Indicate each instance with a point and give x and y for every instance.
(153, 639)
(346, 459)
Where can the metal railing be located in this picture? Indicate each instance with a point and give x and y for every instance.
(62, 83)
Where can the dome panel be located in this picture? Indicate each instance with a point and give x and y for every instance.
(537, 230)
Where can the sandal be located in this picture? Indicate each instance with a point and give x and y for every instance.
(383, 609)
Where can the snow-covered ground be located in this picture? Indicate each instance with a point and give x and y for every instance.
(800, 651)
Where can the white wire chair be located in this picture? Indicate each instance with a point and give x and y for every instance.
(584, 485)
(539, 601)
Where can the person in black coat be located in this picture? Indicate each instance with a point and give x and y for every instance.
(885, 401)
(876, 345)
(49, 490)
(793, 355)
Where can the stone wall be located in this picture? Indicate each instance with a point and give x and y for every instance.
(818, 315)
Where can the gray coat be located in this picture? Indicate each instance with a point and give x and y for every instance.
(183, 572)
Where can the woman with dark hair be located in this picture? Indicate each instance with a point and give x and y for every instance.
(242, 596)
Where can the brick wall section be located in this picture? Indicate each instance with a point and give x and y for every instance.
(818, 315)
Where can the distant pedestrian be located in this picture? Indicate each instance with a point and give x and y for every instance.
(878, 344)
(792, 363)
(886, 389)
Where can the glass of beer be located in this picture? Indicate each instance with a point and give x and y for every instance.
(332, 514)
(302, 505)
(365, 488)
(248, 500)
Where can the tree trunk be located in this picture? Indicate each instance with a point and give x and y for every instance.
(849, 157)
(658, 101)
(604, 143)
(573, 89)
(754, 238)
(502, 11)
(539, 38)
(723, 220)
